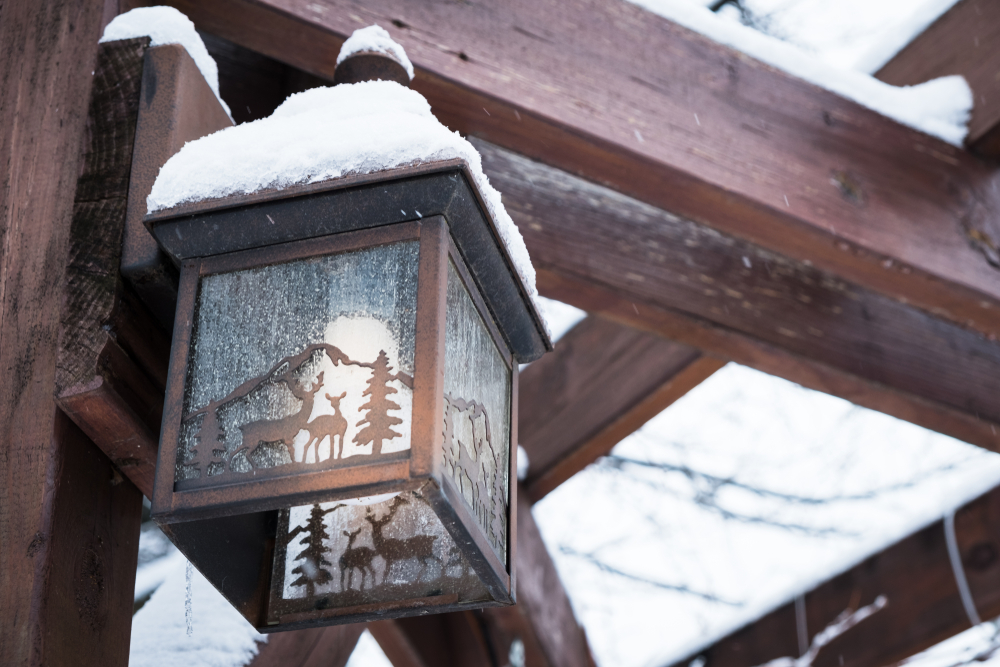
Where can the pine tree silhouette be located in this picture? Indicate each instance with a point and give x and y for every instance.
(208, 437)
(379, 421)
(311, 572)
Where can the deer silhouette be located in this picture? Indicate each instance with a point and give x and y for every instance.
(327, 425)
(285, 429)
(393, 550)
(356, 558)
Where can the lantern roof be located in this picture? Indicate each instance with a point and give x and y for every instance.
(329, 139)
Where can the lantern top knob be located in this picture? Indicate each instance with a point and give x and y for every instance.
(370, 54)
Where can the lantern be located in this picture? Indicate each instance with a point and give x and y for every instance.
(340, 422)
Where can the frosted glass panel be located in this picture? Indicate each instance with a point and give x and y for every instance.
(306, 364)
(357, 552)
(477, 415)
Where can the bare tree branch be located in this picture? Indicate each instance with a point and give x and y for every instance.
(604, 567)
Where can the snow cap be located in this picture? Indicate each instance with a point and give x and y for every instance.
(323, 134)
(375, 39)
(166, 25)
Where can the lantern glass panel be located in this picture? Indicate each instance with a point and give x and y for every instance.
(477, 384)
(345, 554)
(303, 364)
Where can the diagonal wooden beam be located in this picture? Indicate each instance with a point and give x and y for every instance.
(542, 620)
(317, 647)
(617, 257)
(627, 99)
(915, 575)
(603, 382)
(962, 41)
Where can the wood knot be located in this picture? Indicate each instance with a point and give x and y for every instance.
(849, 186)
(36, 544)
(981, 557)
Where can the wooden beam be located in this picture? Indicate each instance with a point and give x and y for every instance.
(627, 99)
(69, 524)
(602, 383)
(543, 618)
(962, 41)
(614, 256)
(915, 575)
(318, 647)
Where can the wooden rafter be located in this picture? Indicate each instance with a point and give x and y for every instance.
(871, 282)
(917, 578)
(69, 523)
(617, 257)
(602, 382)
(627, 99)
(962, 41)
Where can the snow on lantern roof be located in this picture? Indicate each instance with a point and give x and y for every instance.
(375, 39)
(940, 107)
(166, 25)
(323, 134)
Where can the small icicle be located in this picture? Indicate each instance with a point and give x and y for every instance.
(188, 614)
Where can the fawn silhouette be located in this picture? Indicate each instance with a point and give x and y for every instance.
(327, 425)
(356, 558)
(393, 550)
(285, 429)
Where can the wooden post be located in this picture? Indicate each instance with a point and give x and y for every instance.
(68, 521)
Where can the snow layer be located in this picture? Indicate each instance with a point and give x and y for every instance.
(940, 107)
(375, 39)
(166, 25)
(322, 134)
(220, 636)
(368, 653)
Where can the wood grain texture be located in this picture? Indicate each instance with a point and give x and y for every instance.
(111, 365)
(48, 53)
(612, 95)
(319, 647)
(916, 577)
(962, 41)
(610, 254)
(602, 382)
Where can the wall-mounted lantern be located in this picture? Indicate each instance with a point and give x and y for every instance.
(340, 422)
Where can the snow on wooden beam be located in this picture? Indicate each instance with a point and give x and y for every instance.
(916, 577)
(962, 41)
(602, 382)
(627, 99)
(620, 258)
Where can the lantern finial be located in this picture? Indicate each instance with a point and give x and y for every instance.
(370, 54)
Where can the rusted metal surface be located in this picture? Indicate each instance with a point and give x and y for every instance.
(367, 66)
(407, 194)
(202, 514)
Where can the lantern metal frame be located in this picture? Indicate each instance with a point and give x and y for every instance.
(206, 519)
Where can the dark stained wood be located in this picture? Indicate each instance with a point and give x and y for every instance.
(319, 647)
(962, 41)
(67, 525)
(111, 365)
(542, 618)
(914, 574)
(535, 194)
(612, 96)
(396, 644)
(615, 256)
(441, 640)
(602, 382)
(176, 106)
